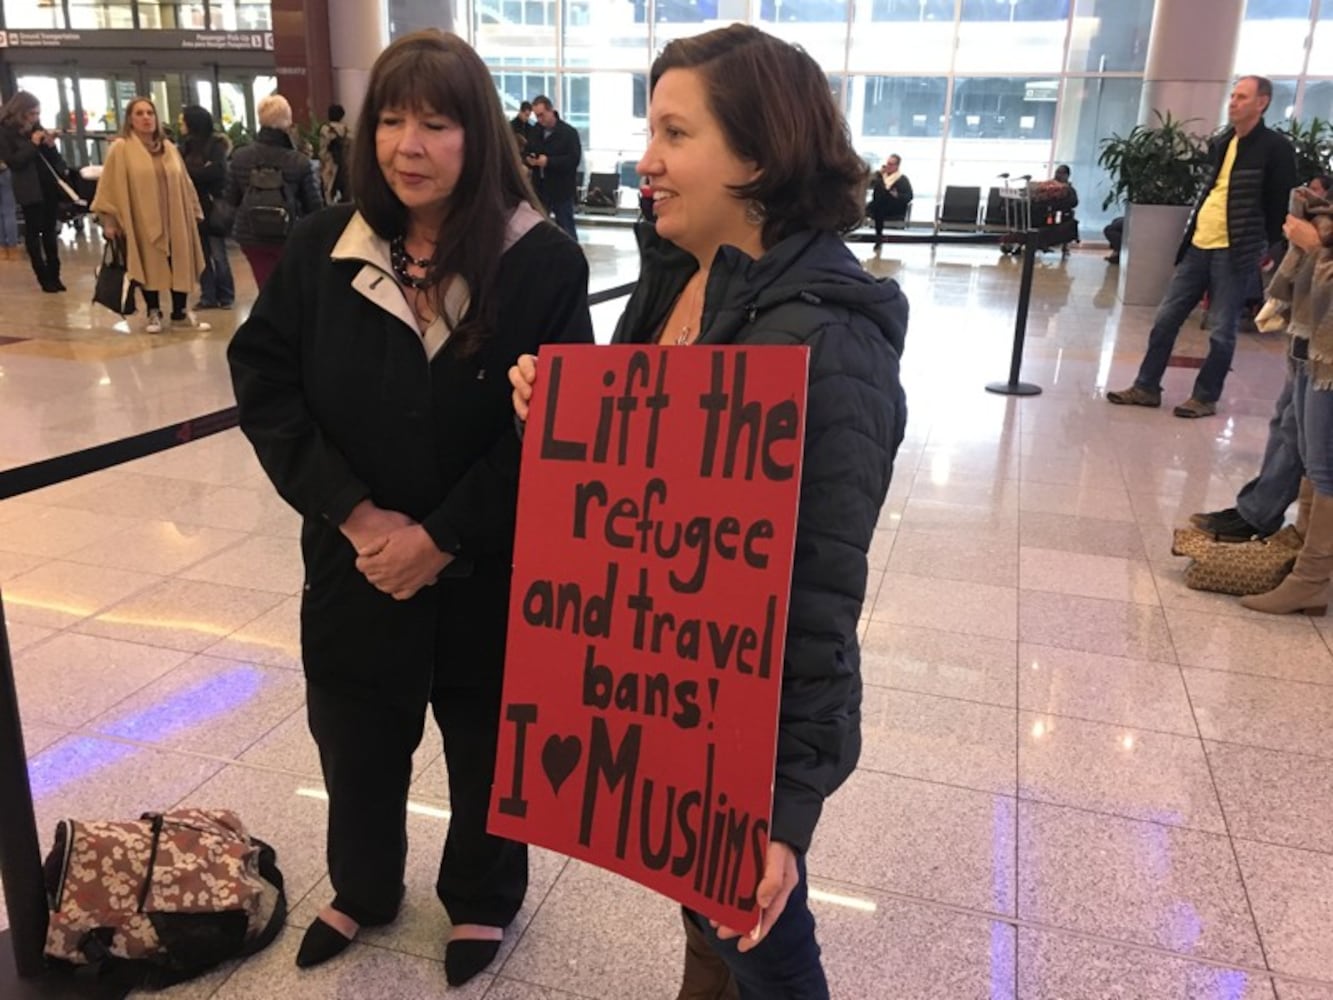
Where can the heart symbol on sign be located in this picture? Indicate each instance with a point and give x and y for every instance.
(559, 758)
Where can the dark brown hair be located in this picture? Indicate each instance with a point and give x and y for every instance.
(437, 72)
(774, 105)
(14, 109)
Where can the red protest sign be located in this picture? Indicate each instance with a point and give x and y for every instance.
(657, 513)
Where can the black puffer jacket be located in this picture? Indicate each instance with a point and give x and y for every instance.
(300, 175)
(809, 290)
(1262, 177)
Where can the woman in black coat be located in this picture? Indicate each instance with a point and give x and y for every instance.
(29, 151)
(370, 378)
(751, 195)
(205, 154)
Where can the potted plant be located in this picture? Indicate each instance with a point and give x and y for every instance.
(1313, 144)
(1155, 170)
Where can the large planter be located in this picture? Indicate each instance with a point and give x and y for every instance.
(1148, 252)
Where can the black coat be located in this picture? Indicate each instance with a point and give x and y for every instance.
(207, 169)
(300, 175)
(889, 203)
(1262, 176)
(809, 290)
(21, 154)
(558, 180)
(341, 404)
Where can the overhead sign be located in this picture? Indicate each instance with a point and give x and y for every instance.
(122, 38)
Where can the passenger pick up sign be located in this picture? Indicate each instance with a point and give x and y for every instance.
(656, 522)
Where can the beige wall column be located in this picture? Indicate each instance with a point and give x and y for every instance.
(358, 33)
(1191, 53)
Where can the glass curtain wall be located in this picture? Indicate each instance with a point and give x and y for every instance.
(962, 90)
(1291, 41)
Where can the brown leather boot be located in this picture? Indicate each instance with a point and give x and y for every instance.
(1303, 501)
(706, 975)
(1305, 589)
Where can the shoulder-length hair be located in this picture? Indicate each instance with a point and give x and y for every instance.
(127, 127)
(437, 72)
(776, 110)
(17, 107)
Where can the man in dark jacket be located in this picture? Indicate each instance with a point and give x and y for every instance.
(553, 153)
(523, 127)
(1238, 214)
(890, 195)
(261, 227)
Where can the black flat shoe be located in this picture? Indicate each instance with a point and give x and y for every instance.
(465, 957)
(321, 943)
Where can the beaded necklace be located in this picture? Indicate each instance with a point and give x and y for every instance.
(402, 260)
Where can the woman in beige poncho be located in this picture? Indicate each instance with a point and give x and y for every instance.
(145, 196)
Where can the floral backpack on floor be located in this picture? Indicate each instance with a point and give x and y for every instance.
(161, 899)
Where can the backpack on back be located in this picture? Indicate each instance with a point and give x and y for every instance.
(264, 206)
(162, 899)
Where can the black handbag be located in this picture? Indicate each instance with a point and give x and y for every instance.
(221, 216)
(112, 288)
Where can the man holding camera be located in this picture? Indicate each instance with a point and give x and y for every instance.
(553, 154)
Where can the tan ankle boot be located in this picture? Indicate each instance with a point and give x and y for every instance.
(1303, 501)
(1305, 590)
(706, 975)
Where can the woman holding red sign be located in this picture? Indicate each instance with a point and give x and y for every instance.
(369, 378)
(754, 177)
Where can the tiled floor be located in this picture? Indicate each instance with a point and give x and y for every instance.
(1080, 779)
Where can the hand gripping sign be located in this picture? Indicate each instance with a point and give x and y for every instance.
(653, 559)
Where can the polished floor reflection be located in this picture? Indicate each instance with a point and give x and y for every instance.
(1080, 778)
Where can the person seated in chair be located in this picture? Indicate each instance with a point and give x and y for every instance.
(890, 196)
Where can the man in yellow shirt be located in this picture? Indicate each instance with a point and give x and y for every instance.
(1238, 215)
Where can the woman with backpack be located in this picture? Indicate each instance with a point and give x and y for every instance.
(205, 153)
(271, 184)
(145, 198)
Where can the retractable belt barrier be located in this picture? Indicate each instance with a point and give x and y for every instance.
(24, 974)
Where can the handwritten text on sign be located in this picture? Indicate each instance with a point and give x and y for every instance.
(657, 512)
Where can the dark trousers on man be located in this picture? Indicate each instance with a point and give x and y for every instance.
(365, 750)
(563, 211)
(1264, 500)
(1200, 271)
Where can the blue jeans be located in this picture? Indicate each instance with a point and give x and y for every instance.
(1264, 500)
(786, 965)
(9, 211)
(1200, 271)
(216, 285)
(1314, 429)
(564, 217)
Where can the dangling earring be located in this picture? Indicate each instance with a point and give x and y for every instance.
(754, 213)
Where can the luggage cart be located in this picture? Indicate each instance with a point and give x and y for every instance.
(1016, 197)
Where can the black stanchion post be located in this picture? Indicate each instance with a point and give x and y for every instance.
(24, 974)
(1014, 387)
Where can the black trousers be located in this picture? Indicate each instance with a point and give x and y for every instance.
(152, 299)
(365, 751)
(40, 232)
